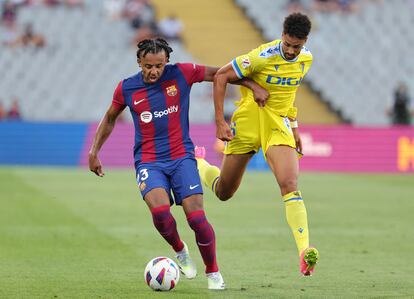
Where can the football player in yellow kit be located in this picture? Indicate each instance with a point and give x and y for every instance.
(266, 121)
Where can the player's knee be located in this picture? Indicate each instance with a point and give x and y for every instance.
(224, 196)
(288, 185)
(162, 218)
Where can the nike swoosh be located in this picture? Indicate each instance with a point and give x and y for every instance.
(193, 187)
(137, 102)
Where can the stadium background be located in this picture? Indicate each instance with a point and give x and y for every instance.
(89, 47)
(362, 50)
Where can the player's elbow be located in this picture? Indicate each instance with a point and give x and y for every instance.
(217, 78)
(221, 77)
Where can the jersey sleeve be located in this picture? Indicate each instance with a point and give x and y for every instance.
(247, 64)
(118, 100)
(308, 61)
(192, 72)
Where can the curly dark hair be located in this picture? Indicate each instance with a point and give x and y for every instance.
(154, 46)
(297, 25)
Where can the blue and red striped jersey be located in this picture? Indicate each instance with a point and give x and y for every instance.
(160, 112)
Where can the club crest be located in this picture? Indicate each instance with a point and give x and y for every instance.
(172, 90)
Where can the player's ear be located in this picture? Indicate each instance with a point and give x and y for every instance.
(139, 61)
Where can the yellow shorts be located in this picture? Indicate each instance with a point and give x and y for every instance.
(254, 128)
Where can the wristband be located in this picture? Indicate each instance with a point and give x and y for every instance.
(294, 124)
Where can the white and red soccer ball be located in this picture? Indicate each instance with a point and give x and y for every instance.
(161, 274)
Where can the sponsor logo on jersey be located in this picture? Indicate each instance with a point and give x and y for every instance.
(147, 116)
(284, 81)
(172, 90)
(142, 186)
(169, 110)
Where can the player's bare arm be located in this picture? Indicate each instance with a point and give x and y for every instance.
(209, 73)
(295, 130)
(298, 140)
(102, 133)
(224, 76)
(260, 94)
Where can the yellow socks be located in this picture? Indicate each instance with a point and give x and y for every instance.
(209, 174)
(297, 219)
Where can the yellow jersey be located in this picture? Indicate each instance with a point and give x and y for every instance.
(280, 77)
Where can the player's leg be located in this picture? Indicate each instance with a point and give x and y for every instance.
(284, 164)
(205, 239)
(187, 190)
(204, 232)
(232, 169)
(237, 153)
(225, 182)
(158, 202)
(154, 187)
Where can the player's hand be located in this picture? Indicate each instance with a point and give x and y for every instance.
(298, 140)
(223, 131)
(260, 96)
(95, 165)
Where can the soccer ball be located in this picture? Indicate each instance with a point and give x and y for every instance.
(161, 274)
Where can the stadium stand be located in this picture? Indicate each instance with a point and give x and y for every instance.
(359, 76)
(73, 77)
(86, 53)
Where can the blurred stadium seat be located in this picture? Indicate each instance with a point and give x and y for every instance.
(74, 76)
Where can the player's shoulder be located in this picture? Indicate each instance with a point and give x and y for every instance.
(305, 53)
(132, 82)
(268, 50)
(185, 66)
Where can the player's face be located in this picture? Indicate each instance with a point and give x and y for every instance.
(291, 46)
(152, 66)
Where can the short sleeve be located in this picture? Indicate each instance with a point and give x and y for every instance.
(247, 64)
(118, 100)
(192, 72)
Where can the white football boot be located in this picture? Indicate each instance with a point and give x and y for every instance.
(185, 263)
(215, 281)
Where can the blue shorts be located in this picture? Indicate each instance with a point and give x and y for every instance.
(179, 178)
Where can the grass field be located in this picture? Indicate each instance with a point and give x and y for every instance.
(65, 233)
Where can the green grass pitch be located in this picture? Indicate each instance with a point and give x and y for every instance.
(65, 233)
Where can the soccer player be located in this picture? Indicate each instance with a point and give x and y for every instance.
(268, 123)
(166, 170)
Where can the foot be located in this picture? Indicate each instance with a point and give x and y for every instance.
(200, 152)
(308, 259)
(185, 263)
(215, 281)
